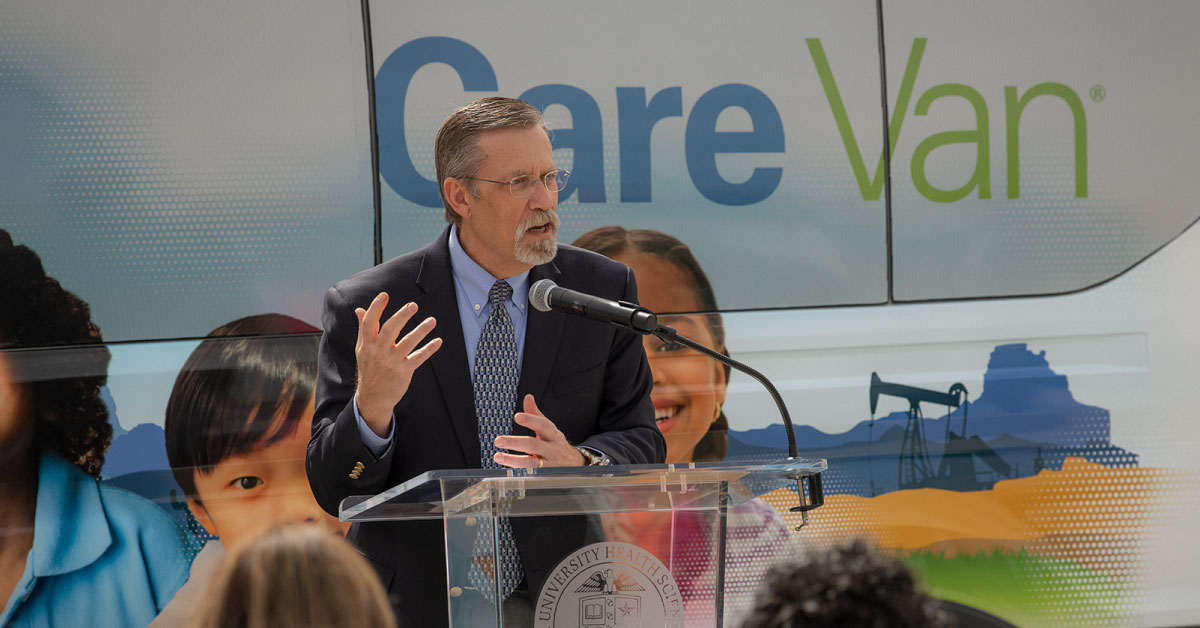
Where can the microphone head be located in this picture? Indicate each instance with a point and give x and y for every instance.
(539, 294)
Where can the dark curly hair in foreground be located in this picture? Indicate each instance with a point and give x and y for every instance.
(63, 385)
(850, 585)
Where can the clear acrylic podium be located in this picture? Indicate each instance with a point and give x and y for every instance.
(681, 545)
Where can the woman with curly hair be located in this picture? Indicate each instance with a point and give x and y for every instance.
(73, 551)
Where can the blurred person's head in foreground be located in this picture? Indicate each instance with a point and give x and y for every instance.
(848, 585)
(297, 576)
(689, 388)
(237, 428)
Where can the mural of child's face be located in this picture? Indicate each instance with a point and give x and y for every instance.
(688, 387)
(247, 495)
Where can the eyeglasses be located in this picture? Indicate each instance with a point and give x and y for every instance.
(523, 186)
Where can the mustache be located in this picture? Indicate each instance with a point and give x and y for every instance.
(539, 219)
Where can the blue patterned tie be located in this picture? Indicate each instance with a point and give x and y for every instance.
(496, 375)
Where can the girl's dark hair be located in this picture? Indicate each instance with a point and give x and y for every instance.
(246, 386)
(63, 385)
(613, 242)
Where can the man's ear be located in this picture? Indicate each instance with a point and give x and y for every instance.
(458, 196)
(201, 515)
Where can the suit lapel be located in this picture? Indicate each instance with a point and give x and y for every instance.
(543, 331)
(450, 362)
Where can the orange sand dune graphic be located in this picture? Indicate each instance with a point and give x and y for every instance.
(1066, 514)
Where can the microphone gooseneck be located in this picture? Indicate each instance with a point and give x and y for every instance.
(809, 488)
(667, 334)
(545, 295)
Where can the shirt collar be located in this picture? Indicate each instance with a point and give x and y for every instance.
(70, 530)
(476, 281)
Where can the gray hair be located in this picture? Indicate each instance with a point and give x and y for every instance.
(456, 152)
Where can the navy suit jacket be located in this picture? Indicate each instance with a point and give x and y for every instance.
(590, 378)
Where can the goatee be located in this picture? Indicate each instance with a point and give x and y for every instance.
(542, 250)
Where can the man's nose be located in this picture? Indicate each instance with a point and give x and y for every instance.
(542, 197)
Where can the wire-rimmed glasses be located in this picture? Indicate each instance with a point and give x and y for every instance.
(523, 186)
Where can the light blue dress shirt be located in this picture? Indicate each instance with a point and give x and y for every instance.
(471, 286)
(101, 556)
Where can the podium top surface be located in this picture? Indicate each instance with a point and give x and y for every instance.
(577, 490)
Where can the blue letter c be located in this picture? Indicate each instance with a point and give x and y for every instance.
(391, 86)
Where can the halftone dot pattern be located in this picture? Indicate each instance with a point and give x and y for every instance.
(1046, 241)
(166, 226)
(407, 226)
(690, 563)
(1093, 516)
(1072, 541)
(756, 538)
(1076, 104)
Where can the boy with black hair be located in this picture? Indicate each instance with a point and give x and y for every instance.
(237, 426)
(238, 423)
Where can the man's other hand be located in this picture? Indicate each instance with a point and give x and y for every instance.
(547, 447)
(385, 364)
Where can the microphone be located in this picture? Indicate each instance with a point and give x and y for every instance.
(545, 295)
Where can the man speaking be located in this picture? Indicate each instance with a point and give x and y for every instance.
(505, 384)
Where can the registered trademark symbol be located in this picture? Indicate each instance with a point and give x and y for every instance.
(1098, 93)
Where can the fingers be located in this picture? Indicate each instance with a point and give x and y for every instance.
(547, 447)
(360, 313)
(530, 405)
(368, 322)
(368, 319)
(385, 366)
(414, 337)
(392, 326)
(418, 357)
(544, 428)
(369, 329)
(533, 419)
(518, 462)
(523, 444)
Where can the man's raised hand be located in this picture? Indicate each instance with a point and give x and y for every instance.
(385, 364)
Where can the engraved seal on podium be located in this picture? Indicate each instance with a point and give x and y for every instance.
(609, 585)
